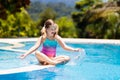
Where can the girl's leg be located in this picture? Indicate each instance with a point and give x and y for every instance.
(63, 59)
(44, 59)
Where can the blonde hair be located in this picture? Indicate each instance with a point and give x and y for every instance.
(57, 28)
(47, 24)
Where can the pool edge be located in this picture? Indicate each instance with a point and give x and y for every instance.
(24, 69)
(73, 40)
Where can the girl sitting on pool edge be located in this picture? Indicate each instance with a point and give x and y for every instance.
(49, 39)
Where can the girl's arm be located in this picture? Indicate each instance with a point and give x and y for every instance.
(32, 49)
(64, 46)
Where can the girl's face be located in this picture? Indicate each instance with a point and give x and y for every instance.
(51, 30)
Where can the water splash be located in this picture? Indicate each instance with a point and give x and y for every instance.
(77, 57)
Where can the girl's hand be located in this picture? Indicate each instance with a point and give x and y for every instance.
(77, 49)
(23, 56)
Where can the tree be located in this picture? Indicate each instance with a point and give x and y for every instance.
(11, 6)
(18, 25)
(46, 14)
(66, 27)
(96, 21)
(15, 21)
(81, 17)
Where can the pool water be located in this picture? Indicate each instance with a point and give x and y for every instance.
(4, 44)
(10, 60)
(101, 62)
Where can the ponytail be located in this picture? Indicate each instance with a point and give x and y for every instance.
(43, 32)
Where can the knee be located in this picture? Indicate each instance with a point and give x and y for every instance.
(37, 53)
(67, 58)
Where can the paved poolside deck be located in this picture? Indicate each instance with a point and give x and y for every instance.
(73, 40)
(16, 43)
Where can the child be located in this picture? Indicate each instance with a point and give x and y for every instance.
(49, 40)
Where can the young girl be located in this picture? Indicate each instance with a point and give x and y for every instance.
(49, 40)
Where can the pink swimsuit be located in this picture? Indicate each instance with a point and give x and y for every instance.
(49, 47)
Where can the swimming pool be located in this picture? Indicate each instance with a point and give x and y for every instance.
(5, 44)
(102, 62)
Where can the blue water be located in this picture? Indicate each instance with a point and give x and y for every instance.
(10, 60)
(101, 62)
(4, 44)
